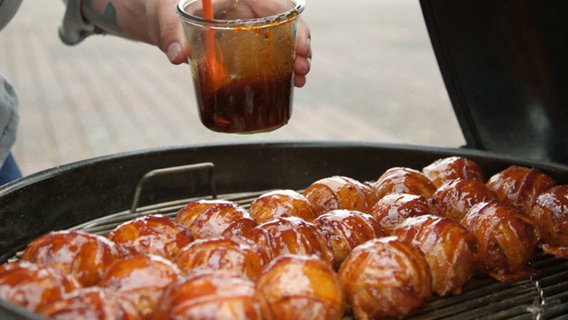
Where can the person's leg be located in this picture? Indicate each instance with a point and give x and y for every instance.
(9, 170)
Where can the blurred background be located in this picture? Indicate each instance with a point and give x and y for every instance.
(374, 78)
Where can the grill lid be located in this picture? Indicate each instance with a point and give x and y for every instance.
(505, 68)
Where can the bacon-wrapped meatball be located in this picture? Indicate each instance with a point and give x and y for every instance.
(394, 208)
(215, 218)
(281, 203)
(520, 186)
(236, 255)
(403, 180)
(385, 277)
(152, 234)
(92, 303)
(290, 235)
(302, 287)
(346, 229)
(454, 199)
(451, 250)
(550, 213)
(211, 295)
(507, 239)
(447, 169)
(141, 279)
(32, 286)
(339, 192)
(80, 254)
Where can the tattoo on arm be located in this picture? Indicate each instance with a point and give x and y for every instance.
(105, 20)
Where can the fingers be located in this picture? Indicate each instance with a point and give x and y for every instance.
(302, 65)
(170, 32)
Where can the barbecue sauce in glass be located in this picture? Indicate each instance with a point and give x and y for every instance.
(246, 105)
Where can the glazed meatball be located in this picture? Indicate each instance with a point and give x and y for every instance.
(550, 213)
(215, 218)
(152, 234)
(290, 235)
(141, 279)
(451, 250)
(346, 229)
(384, 278)
(339, 192)
(211, 295)
(507, 239)
(403, 180)
(454, 199)
(82, 255)
(33, 286)
(394, 208)
(302, 287)
(447, 169)
(520, 186)
(236, 255)
(92, 303)
(281, 203)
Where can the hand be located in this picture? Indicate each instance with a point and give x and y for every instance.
(156, 22)
(171, 41)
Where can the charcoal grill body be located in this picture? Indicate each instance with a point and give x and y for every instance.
(505, 67)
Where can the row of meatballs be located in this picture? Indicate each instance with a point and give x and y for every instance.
(341, 247)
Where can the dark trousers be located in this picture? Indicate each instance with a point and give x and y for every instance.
(9, 170)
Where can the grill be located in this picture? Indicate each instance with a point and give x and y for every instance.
(510, 104)
(259, 169)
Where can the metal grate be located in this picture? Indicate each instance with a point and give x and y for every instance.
(545, 296)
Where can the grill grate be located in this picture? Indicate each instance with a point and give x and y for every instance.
(544, 296)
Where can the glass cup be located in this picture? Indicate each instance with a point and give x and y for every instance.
(242, 61)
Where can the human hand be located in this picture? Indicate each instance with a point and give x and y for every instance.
(171, 41)
(156, 22)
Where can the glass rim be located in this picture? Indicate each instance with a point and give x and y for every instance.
(284, 16)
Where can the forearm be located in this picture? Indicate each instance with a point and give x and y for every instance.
(127, 19)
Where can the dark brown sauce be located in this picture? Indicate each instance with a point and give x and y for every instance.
(246, 106)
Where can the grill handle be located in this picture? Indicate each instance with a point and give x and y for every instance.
(208, 166)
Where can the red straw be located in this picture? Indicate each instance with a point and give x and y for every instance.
(215, 68)
(207, 9)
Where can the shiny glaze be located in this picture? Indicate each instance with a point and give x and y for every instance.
(447, 169)
(454, 199)
(211, 295)
(236, 255)
(32, 285)
(82, 255)
(507, 239)
(520, 186)
(281, 203)
(451, 250)
(339, 192)
(94, 304)
(290, 235)
(550, 213)
(141, 279)
(384, 278)
(346, 229)
(152, 234)
(302, 287)
(214, 218)
(394, 208)
(403, 180)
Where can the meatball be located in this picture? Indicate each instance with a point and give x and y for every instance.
(82, 255)
(302, 287)
(403, 180)
(151, 234)
(384, 278)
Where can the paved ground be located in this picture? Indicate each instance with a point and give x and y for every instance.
(374, 78)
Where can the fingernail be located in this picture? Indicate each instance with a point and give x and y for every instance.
(173, 51)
